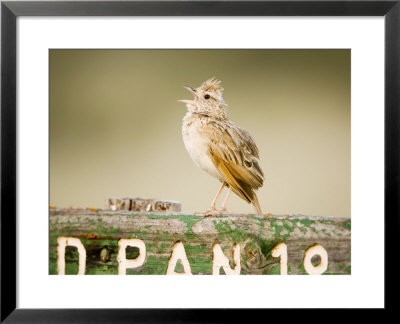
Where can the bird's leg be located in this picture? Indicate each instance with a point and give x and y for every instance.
(214, 202)
(226, 200)
(213, 209)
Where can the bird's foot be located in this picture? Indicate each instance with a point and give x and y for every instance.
(212, 211)
(223, 210)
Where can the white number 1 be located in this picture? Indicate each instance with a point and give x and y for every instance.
(280, 250)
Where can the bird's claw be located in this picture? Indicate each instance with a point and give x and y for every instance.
(213, 212)
(224, 211)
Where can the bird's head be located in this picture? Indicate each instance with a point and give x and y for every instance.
(207, 99)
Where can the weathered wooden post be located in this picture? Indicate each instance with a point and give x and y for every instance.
(252, 244)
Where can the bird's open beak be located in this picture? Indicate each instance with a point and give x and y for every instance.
(193, 91)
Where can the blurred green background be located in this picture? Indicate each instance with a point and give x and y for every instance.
(115, 126)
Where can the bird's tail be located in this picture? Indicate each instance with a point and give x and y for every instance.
(256, 205)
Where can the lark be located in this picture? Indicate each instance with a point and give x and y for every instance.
(219, 147)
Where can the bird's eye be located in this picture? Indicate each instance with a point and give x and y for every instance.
(207, 96)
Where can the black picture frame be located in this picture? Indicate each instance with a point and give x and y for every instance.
(10, 10)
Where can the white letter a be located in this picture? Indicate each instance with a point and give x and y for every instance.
(178, 253)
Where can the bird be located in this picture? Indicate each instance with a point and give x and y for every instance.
(220, 147)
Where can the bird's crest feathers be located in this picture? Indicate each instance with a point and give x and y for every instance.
(212, 85)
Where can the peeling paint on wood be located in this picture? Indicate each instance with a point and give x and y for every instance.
(255, 235)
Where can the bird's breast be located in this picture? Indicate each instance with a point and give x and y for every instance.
(197, 144)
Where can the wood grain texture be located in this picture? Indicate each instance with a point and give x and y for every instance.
(140, 204)
(100, 230)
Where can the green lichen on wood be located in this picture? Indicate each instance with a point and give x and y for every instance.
(275, 269)
(154, 265)
(200, 265)
(258, 220)
(307, 222)
(301, 269)
(194, 249)
(225, 229)
(190, 220)
(281, 229)
(347, 225)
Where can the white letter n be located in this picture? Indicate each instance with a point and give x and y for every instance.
(220, 260)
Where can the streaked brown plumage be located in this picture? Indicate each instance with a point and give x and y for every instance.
(219, 147)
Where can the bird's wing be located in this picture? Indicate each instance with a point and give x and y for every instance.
(235, 155)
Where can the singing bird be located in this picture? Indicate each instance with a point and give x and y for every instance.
(219, 147)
